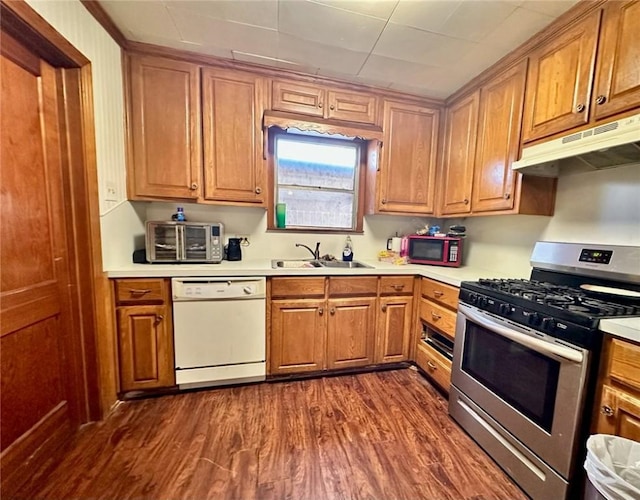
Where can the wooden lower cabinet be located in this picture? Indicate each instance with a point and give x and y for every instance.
(435, 365)
(617, 409)
(297, 336)
(145, 334)
(351, 332)
(394, 329)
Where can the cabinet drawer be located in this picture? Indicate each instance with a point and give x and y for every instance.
(297, 287)
(435, 365)
(444, 294)
(141, 290)
(625, 363)
(365, 285)
(437, 316)
(396, 285)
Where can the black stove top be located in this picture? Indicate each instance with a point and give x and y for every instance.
(558, 297)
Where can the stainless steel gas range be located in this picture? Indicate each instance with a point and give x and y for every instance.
(526, 358)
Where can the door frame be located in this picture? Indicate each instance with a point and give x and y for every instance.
(92, 363)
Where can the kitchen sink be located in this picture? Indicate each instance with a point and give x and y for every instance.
(353, 264)
(295, 264)
(314, 264)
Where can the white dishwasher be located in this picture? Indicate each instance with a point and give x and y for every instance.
(219, 330)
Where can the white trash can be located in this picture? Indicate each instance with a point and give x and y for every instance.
(613, 468)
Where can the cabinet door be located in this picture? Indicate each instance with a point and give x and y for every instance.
(351, 332)
(619, 414)
(498, 141)
(407, 170)
(233, 104)
(617, 86)
(298, 331)
(164, 128)
(459, 155)
(559, 81)
(352, 107)
(394, 329)
(298, 98)
(146, 347)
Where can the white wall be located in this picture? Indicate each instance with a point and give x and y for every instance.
(118, 220)
(594, 207)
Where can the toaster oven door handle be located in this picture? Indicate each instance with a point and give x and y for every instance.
(520, 338)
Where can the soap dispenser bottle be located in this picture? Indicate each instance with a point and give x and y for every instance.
(347, 252)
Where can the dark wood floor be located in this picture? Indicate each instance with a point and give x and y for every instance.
(383, 435)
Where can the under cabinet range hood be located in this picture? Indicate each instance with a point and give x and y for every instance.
(613, 144)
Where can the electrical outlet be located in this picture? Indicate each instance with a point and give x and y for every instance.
(244, 239)
(111, 193)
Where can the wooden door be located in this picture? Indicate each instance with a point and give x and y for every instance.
(298, 98)
(146, 347)
(394, 329)
(233, 103)
(459, 155)
(298, 333)
(351, 332)
(619, 413)
(165, 128)
(559, 81)
(617, 85)
(353, 107)
(498, 141)
(409, 152)
(41, 400)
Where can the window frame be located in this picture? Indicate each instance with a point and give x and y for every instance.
(359, 181)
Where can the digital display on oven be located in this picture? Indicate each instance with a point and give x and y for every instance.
(595, 256)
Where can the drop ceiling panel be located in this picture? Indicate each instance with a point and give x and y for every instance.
(262, 13)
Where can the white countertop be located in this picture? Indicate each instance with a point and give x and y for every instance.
(625, 328)
(262, 267)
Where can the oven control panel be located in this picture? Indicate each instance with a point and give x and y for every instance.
(595, 256)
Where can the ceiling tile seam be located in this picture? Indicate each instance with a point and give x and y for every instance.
(175, 25)
(335, 7)
(377, 39)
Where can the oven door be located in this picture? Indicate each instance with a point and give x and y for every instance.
(531, 384)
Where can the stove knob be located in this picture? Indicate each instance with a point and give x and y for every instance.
(534, 319)
(549, 324)
(505, 309)
(473, 298)
(482, 302)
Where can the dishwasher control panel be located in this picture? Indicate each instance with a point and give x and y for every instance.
(217, 288)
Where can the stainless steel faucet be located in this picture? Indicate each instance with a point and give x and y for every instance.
(316, 253)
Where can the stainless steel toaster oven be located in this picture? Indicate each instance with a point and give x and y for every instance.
(184, 242)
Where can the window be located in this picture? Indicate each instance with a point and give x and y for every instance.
(317, 179)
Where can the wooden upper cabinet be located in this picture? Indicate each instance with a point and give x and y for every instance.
(617, 85)
(313, 100)
(406, 177)
(164, 115)
(459, 156)
(234, 168)
(498, 140)
(559, 80)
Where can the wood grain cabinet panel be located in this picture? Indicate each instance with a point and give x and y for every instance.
(141, 291)
(406, 177)
(394, 329)
(396, 285)
(297, 97)
(559, 81)
(440, 318)
(435, 365)
(298, 331)
(234, 167)
(146, 347)
(617, 85)
(442, 293)
(298, 288)
(459, 156)
(351, 332)
(619, 413)
(352, 285)
(352, 107)
(165, 140)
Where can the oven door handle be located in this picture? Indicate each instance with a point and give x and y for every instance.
(536, 344)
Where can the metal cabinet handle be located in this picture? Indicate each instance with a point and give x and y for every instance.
(607, 411)
(139, 293)
(601, 99)
(580, 108)
(193, 186)
(384, 308)
(398, 287)
(321, 311)
(438, 293)
(431, 365)
(507, 196)
(258, 190)
(465, 201)
(332, 107)
(384, 201)
(435, 316)
(333, 310)
(159, 318)
(320, 105)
